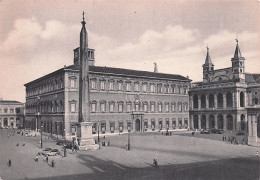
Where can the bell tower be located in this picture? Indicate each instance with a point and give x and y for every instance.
(208, 67)
(238, 65)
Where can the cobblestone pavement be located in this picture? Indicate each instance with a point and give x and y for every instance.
(179, 157)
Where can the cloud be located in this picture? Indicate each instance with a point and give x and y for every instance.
(33, 49)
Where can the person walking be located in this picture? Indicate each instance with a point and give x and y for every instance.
(9, 163)
(47, 158)
(52, 163)
(36, 158)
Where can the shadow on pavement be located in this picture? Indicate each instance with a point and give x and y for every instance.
(237, 168)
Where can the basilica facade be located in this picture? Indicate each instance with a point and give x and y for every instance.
(227, 99)
(119, 99)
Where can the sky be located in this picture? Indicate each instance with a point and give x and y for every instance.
(38, 37)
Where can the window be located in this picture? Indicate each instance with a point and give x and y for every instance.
(72, 106)
(145, 107)
(102, 85)
(166, 86)
(185, 105)
(173, 123)
(173, 88)
(128, 106)
(103, 127)
(93, 106)
(17, 110)
(152, 106)
(159, 88)
(72, 83)
(180, 122)
(120, 85)
(120, 106)
(137, 106)
(185, 90)
(112, 127)
(128, 86)
(186, 123)
(167, 123)
(166, 107)
(11, 111)
(145, 124)
(5, 110)
(93, 83)
(180, 107)
(136, 86)
(160, 107)
(111, 106)
(102, 106)
(173, 107)
(153, 124)
(129, 126)
(121, 126)
(152, 88)
(111, 86)
(144, 87)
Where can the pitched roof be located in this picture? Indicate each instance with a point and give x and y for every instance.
(252, 78)
(128, 72)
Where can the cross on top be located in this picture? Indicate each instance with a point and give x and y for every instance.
(83, 15)
(236, 40)
(207, 47)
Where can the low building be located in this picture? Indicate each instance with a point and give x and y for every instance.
(11, 114)
(120, 100)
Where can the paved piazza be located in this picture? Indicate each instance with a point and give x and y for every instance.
(179, 157)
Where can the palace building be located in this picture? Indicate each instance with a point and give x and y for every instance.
(119, 99)
(11, 114)
(227, 99)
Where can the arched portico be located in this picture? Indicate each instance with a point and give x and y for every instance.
(258, 126)
(196, 122)
(229, 122)
(220, 121)
(211, 121)
(203, 122)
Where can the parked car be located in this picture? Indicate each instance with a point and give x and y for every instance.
(53, 152)
(204, 131)
(45, 151)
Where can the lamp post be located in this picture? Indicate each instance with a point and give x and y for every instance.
(41, 135)
(98, 132)
(128, 145)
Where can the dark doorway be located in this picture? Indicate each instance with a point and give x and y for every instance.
(196, 122)
(5, 122)
(211, 122)
(203, 122)
(220, 122)
(137, 125)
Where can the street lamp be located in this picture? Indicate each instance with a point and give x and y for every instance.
(98, 132)
(128, 146)
(41, 135)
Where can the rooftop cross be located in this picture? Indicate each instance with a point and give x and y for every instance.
(83, 15)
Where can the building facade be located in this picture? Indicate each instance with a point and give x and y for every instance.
(227, 99)
(11, 114)
(119, 100)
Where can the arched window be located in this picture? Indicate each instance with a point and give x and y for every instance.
(195, 101)
(242, 99)
(220, 122)
(211, 101)
(196, 122)
(229, 122)
(229, 99)
(220, 100)
(211, 121)
(203, 101)
(203, 122)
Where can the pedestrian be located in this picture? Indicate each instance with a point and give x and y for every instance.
(155, 163)
(47, 158)
(23, 144)
(9, 163)
(243, 142)
(52, 163)
(17, 144)
(36, 158)
(223, 138)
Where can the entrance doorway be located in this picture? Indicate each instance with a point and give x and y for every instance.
(137, 125)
